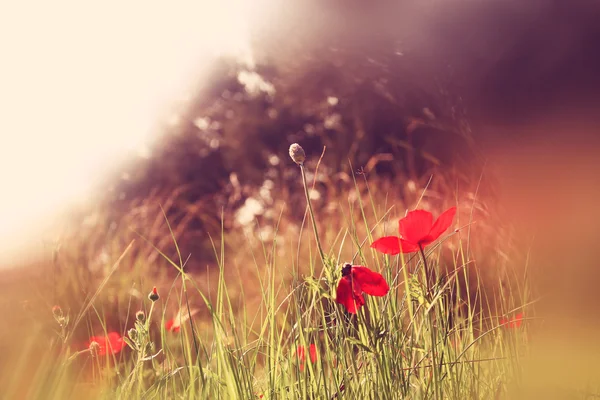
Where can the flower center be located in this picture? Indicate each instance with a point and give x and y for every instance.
(346, 269)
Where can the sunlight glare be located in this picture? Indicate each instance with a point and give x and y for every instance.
(82, 84)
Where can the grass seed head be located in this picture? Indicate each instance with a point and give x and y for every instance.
(297, 153)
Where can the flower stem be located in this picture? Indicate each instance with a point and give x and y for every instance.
(433, 329)
(426, 268)
(312, 214)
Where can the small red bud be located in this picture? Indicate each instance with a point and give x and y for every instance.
(154, 294)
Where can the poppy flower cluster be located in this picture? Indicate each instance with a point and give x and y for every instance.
(112, 343)
(301, 352)
(417, 230)
(355, 281)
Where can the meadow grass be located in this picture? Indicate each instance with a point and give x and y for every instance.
(263, 323)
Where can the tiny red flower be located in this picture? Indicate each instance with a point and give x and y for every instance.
(301, 351)
(112, 343)
(355, 281)
(417, 229)
(514, 322)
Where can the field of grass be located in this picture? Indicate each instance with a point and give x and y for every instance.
(265, 321)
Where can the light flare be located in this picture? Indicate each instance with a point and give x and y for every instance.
(83, 86)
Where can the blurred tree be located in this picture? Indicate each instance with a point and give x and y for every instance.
(384, 85)
(332, 76)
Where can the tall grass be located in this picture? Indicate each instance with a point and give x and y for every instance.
(452, 338)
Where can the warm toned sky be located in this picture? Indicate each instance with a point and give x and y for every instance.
(83, 82)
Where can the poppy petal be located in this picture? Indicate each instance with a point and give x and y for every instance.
(514, 322)
(387, 245)
(116, 342)
(441, 224)
(101, 344)
(182, 316)
(393, 245)
(112, 343)
(415, 226)
(371, 282)
(346, 297)
(173, 325)
(517, 321)
(300, 353)
(408, 247)
(313, 352)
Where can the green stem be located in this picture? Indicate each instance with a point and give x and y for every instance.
(437, 383)
(312, 215)
(426, 268)
(187, 304)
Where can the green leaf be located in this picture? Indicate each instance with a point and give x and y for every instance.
(130, 343)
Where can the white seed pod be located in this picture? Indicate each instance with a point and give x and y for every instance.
(297, 153)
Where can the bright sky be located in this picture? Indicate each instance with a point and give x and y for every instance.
(83, 82)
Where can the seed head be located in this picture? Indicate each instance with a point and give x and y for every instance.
(297, 153)
(132, 334)
(140, 316)
(154, 294)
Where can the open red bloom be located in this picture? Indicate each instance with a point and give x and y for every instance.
(357, 279)
(417, 229)
(514, 322)
(112, 343)
(301, 351)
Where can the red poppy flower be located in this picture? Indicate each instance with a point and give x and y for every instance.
(112, 343)
(357, 279)
(514, 322)
(417, 229)
(171, 325)
(301, 351)
(174, 324)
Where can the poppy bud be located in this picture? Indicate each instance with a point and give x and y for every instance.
(57, 311)
(94, 347)
(297, 153)
(132, 334)
(140, 316)
(154, 294)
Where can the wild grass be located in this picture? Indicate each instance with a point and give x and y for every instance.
(248, 323)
